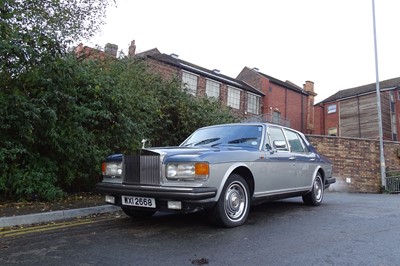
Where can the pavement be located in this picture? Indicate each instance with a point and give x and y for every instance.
(53, 216)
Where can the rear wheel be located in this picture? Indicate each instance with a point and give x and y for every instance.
(137, 213)
(315, 196)
(233, 206)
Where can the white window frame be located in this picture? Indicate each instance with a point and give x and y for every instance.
(332, 108)
(189, 82)
(233, 99)
(253, 106)
(213, 89)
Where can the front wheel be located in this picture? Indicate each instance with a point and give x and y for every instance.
(233, 205)
(315, 196)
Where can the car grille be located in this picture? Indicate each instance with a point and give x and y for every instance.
(142, 169)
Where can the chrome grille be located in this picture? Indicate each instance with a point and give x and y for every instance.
(142, 169)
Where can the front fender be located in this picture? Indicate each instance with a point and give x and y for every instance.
(228, 172)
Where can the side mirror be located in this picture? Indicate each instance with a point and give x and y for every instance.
(280, 145)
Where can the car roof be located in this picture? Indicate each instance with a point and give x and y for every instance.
(251, 124)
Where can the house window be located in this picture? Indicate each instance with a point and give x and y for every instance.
(276, 117)
(233, 98)
(189, 83)
(332, 131)
(253, 104)
(212, 89)
(398, 95)
(331, 108)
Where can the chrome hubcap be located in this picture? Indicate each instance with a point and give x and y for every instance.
(318, 189)
(235, 201)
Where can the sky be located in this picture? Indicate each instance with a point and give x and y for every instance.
(329, 42)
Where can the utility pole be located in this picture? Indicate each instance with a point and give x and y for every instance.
(378, 101)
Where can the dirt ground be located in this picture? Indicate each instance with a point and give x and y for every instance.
(72, 201)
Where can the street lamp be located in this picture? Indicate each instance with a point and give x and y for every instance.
(378, 101)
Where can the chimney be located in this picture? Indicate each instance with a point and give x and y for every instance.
(132, 49)
(111, 49)
(309, 87)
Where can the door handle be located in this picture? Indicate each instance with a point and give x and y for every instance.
(312, 159)
(292, 158)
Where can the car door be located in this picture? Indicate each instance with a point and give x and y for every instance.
(279, 166)
(304, 159)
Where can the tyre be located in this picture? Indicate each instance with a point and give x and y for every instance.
(134, 213)
(315, 196)
(233, 205)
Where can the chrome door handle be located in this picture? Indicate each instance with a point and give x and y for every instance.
(292, 158)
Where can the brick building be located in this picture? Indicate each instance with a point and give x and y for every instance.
(284, 102)
(353, 112)
(252, 95)
(242, 98)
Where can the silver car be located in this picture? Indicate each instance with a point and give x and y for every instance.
(221, 169)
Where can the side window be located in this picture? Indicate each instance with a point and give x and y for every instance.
(296, 145)
(277, 138)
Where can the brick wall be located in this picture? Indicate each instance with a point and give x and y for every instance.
(356, 162)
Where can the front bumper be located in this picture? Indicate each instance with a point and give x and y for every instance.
(158, 192)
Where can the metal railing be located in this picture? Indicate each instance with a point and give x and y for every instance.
(267, 118)
(393, 181)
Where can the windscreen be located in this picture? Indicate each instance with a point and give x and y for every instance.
(240, 135)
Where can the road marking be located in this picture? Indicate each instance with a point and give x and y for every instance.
(47, 227)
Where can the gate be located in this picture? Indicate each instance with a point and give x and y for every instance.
(393, 181)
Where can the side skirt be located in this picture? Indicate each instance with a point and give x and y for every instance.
(267, 198)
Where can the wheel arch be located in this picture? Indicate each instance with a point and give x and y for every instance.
(322, 173)
(244, 172)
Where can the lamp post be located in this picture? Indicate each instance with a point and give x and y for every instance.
(378, 102)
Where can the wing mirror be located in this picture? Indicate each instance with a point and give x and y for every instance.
(280, 145)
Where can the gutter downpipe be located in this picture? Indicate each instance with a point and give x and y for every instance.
(378, 100)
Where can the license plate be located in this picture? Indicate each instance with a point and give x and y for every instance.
(138, 201)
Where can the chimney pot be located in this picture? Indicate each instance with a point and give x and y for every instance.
(132, 49)
(111, 49)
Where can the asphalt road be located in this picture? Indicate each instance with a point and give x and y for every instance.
(348, 229)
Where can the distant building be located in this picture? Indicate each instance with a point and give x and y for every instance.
(284, 102)
(353, 112)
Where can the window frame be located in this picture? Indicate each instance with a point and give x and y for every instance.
(229, 101)
(255, 108)
(332, 108)
(188, 76)
(211, 85)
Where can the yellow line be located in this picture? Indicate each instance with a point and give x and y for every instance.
(46, 227)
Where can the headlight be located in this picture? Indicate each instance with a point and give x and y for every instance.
(113, 169)
(188, 171)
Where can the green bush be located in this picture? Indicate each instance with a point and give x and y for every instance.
(59, 120)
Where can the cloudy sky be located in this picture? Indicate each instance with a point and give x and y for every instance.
(329, 42)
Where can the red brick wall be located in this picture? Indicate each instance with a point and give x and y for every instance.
(166, 71)
(319, 123)
(291, 104)
(331, 120)
(356, 162)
